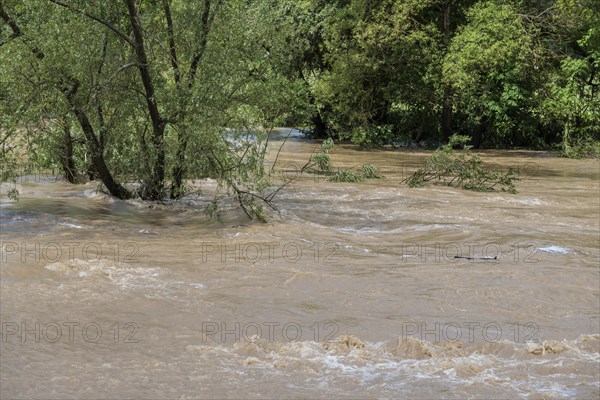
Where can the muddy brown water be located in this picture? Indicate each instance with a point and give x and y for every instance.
(352, 291)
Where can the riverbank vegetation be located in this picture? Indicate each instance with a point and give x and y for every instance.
(145, 95)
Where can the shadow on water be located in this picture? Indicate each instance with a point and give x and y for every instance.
(43, 215)
(14, 220)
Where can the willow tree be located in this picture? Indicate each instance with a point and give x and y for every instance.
(151, 89)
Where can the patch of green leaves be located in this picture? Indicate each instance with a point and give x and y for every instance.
(346, 175)
(369, 171)
(373, 136)
(464, 169)
(320, 163)
(323, 162)
(364, 172)
(213, 210)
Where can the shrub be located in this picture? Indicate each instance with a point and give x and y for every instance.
(320, 163)
(464, 169)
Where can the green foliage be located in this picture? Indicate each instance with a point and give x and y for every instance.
(327, 145)
(572, 98)
(321, 159)
(154, 120)
(490, 67)
(192, 101)
(213, 210)
(9, 169)
(376, 72)
(347, 176)
(369, 171)
(582, 147)
(465, 170)
(374, 55)
(323, 162)
(372, 136)
(320, 164)
(364, 172)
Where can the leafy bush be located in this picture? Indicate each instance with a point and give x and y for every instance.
(581, 148)
(369, 171)
(320, 163)
(372, 136)
(366, 171)
(346, 175)
(464, 169)
(321, 159)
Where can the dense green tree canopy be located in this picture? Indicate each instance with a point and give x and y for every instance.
(147, 94)
(508, 73)
(153, 92)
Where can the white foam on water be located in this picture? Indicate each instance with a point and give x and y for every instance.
(122, 275)
(355, 249)
(528, 201)
(351, 229)
(93, 193)
(432, 227)
(6, 202)
(293, 133)
(403, 229)
(71, 225)
(198, 285)
(555, 250)
(391, 370)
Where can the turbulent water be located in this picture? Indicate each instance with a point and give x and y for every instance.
(351, 291)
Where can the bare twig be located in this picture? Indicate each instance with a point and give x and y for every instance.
(279, 151)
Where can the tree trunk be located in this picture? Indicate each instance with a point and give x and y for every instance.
(446, 122)
(113, 187)
(320, 127)
(446, 116)
(69, 89)
(477, 136)
(179, 169)
(154, 185)
(66, 158)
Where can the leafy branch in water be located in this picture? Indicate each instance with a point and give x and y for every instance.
(464, 169)
(320, 163)
(242, 172)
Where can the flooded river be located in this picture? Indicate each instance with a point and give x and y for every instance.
(352, 291)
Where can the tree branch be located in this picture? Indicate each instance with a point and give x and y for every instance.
(16, 32)
(8, 40)
(158, 124)
(11, 22)
(205, 24)
(172, 49)
(104, 22)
